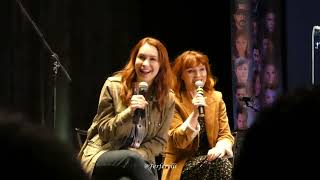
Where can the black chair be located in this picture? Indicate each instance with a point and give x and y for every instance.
(239, 136)
(81, 136)
(234, 147)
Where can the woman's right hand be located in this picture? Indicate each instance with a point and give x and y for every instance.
(198, 100)
(137, 101)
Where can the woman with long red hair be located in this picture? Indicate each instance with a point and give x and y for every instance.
(130, 127)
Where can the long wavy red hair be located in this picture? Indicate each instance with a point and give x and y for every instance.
(162, 82)
(189, 59)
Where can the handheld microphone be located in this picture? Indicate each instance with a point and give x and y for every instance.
(199, 84)
(140, 113)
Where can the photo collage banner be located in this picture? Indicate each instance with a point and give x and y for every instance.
(256, 58)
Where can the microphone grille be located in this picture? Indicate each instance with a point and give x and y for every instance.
(199, 83)
(143, 86)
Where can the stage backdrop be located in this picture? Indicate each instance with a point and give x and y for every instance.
(257, 57)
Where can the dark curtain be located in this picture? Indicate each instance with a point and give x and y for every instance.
(92, 40)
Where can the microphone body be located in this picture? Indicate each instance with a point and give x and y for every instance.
(199, 85)
(140, 113)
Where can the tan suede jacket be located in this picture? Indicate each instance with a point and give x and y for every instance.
(113, 122)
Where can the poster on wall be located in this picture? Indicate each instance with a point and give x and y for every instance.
(256, 58)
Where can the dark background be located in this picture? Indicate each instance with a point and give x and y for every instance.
(93, 39)
(300, 19)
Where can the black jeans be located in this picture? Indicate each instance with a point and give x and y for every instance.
(123, 164)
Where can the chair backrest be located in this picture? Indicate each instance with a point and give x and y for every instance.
(239, 137)
(81, 136)
(234, 147)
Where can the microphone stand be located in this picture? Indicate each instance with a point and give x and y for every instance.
(315, 45)
(55, 61)
(312, 55)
